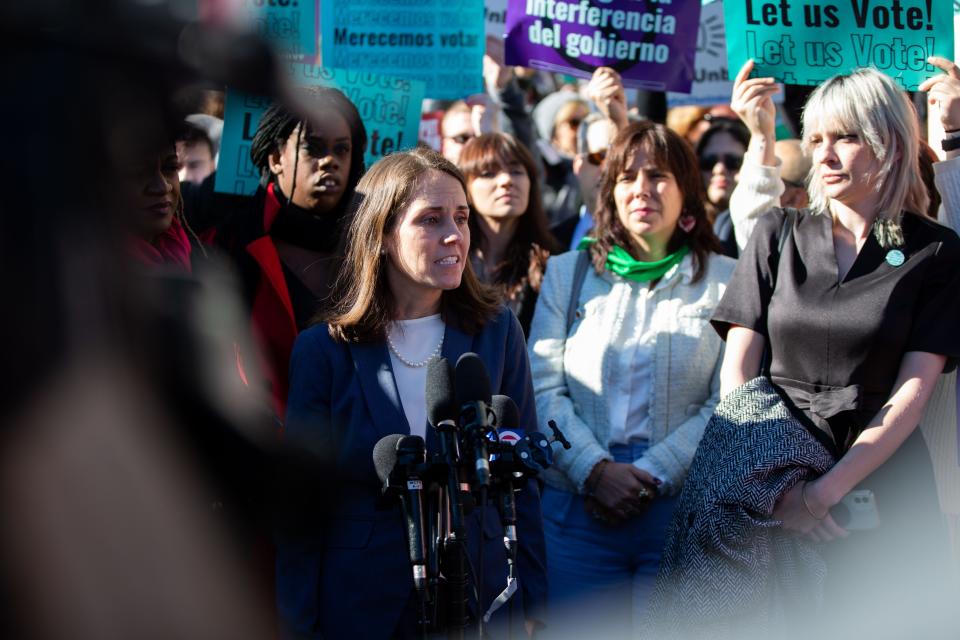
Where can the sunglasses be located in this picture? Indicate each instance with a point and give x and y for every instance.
(597, 157)
(730, 161)
(574, 123)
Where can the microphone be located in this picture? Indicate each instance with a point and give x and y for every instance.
(531, 451)
(473, 398)
(442, 416)
(508, 418)
(439, 393)
(399, 460)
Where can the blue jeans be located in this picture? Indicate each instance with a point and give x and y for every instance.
(601, 576)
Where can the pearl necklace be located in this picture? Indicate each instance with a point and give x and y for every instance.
(414, 365)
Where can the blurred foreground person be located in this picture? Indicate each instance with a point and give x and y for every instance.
(409, 295)
(131, 461)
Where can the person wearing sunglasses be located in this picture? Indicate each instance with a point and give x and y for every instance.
(597, 130)
(457, 129)
(557, 118)
(593, 140)
(720, 153)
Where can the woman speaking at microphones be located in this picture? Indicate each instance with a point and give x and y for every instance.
(407, 294)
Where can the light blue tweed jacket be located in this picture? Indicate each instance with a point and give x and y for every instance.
(571, 372)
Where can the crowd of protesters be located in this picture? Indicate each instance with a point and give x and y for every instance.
(735, 333)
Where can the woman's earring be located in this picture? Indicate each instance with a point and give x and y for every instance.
(687, 222)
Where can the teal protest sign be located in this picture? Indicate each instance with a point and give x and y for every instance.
(710, 83)
(807, 41)
(440, 42)
(388, 106)
(290, 25)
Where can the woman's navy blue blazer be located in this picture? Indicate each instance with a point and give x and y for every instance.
(351, 577)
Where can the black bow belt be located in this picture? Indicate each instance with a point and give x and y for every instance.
(822, 402)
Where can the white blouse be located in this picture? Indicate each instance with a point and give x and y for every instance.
(629, 406)
(416, 340)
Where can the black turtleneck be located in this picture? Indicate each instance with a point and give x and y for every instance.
(303, 228)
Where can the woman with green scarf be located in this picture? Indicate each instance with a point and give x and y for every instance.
(624, 360)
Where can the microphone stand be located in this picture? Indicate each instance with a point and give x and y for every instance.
(454, 547)
(508, 515)
(436, 527)
(517, 463)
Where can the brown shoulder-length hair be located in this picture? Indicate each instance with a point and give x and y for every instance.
(532, 241)
(365, 305)
(669, 152)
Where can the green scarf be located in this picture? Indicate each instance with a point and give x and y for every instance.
(622, 263)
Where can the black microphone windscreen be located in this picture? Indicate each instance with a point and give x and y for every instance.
(413, 446)
(385, 455)
(472, 381)
(441, 400)
(508, 415)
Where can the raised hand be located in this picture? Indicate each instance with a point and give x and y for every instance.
(752, 100)
(496, 74)
(606, 91)
(943, 92)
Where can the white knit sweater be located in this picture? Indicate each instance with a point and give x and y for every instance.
(572, 372)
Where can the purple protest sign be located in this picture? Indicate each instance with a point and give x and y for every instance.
(651, 43)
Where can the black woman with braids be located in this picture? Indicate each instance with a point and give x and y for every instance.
(286, 239)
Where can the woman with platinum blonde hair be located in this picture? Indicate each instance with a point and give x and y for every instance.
(851, 306)
(889, 127)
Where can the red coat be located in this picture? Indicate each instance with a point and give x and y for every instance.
(273, 324)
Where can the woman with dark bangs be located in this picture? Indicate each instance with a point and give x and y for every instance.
(511, 238)
(624, 360)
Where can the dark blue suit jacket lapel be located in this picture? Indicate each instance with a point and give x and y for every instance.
(455, 344)
(372, 363)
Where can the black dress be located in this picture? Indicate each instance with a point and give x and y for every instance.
(836, 349)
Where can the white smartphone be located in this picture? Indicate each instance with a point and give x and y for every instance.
(857, 511)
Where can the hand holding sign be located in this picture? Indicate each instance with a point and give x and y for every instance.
(752, 100)
(606, 91)
(484, 114)
(944, 92)
(496, 74)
